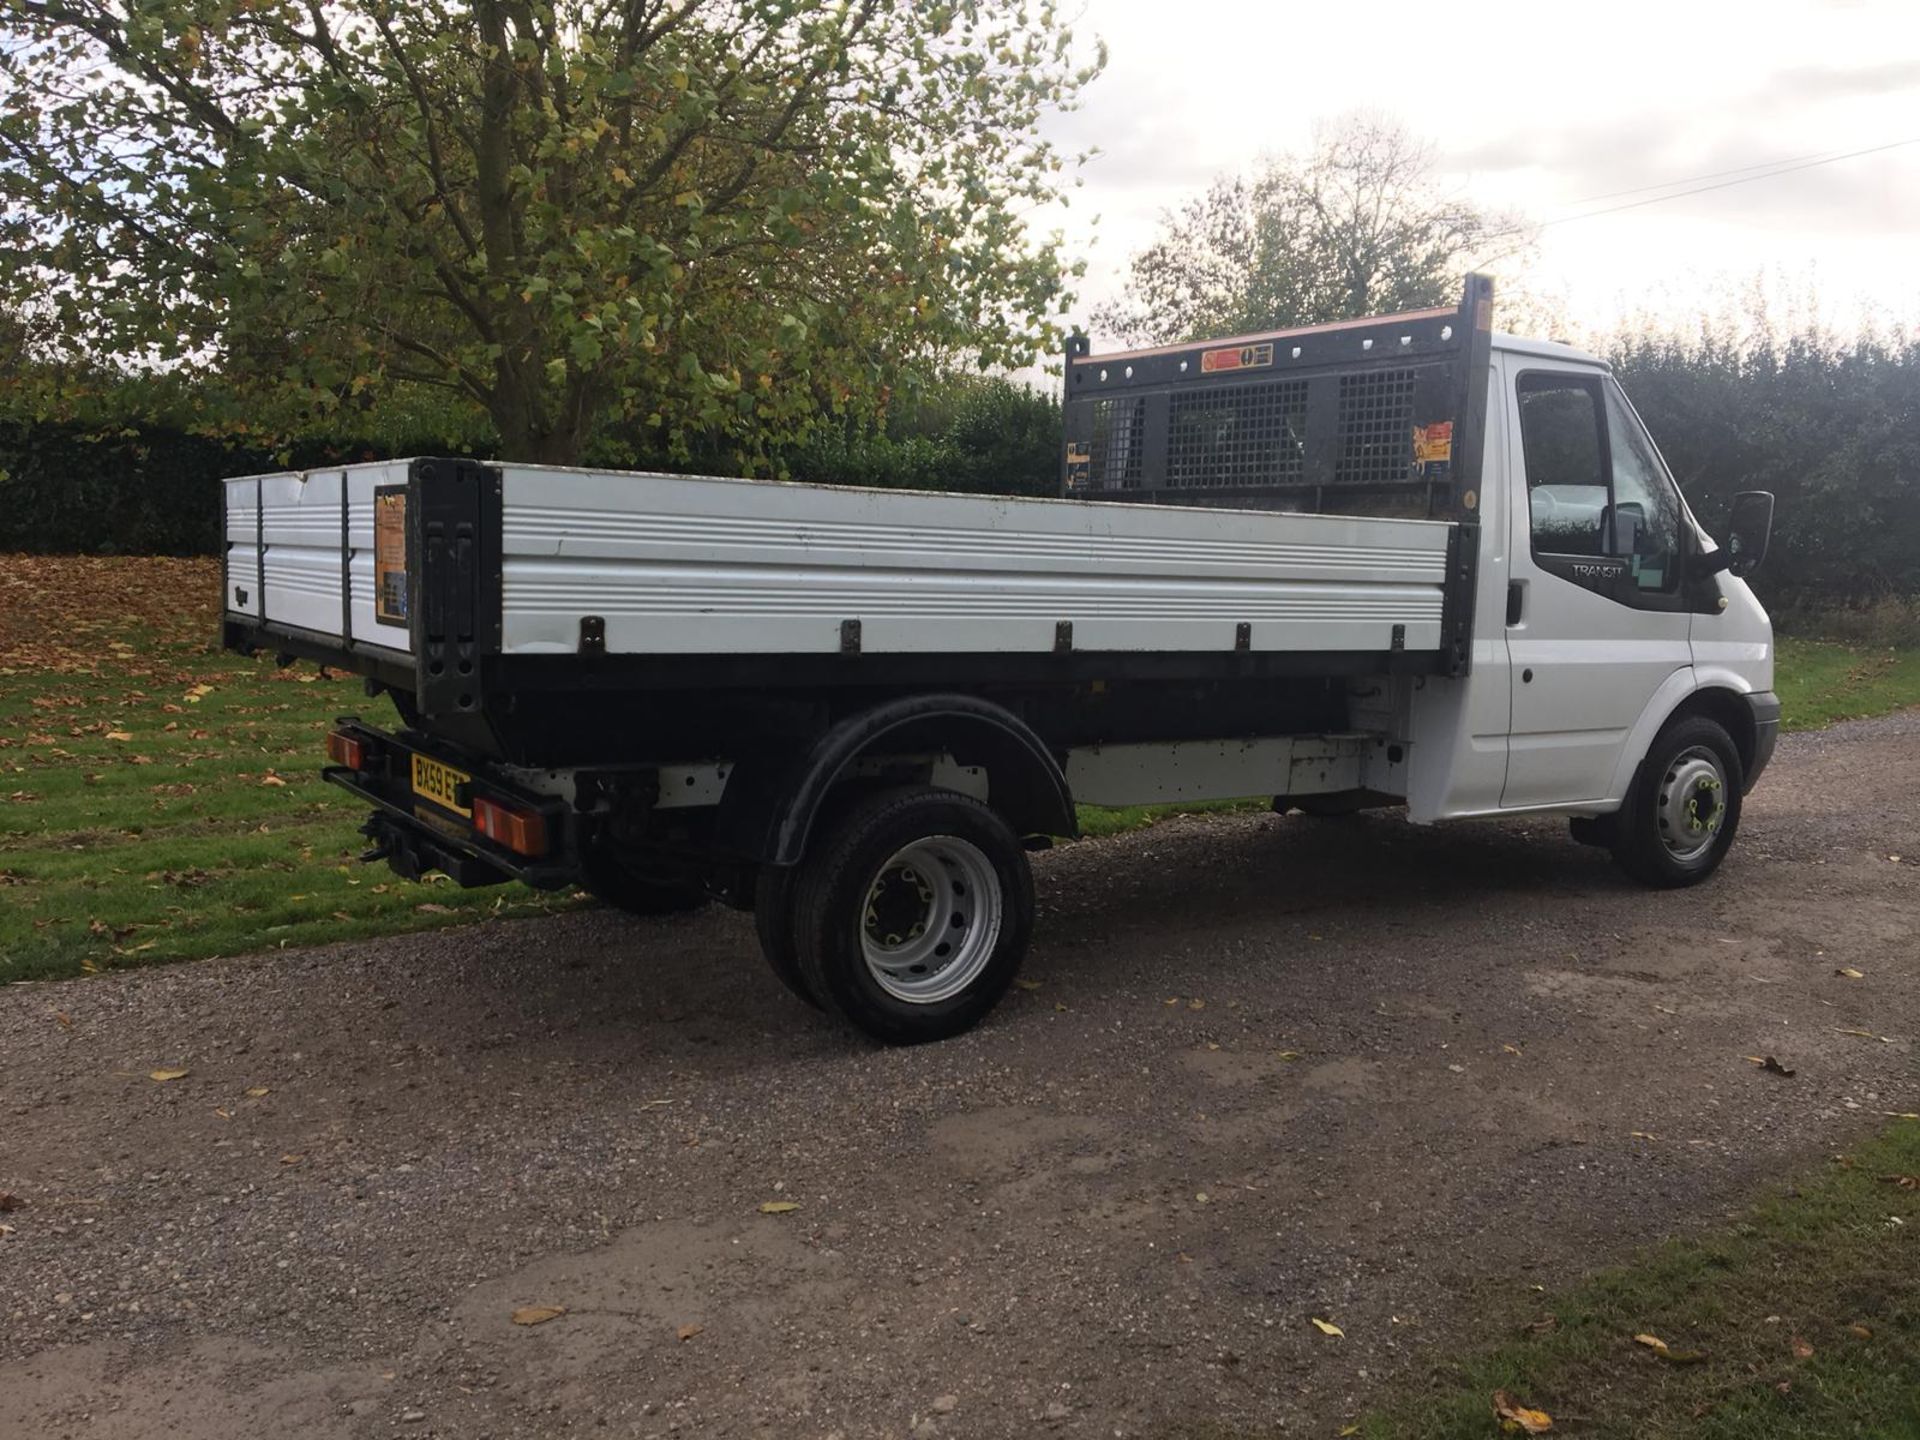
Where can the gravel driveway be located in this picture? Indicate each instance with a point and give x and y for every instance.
(1267, 1070)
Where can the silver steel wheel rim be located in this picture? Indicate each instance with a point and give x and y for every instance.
(931, 919)
(1693, 803)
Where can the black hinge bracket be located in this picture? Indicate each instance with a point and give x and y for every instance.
(593, 635)
(1399, 637)
(1243, 636)
(1457, 598)
(849, 637)
(1062, 636)
(453, 568)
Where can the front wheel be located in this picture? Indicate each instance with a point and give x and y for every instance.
(912, 914)
(1680, 816)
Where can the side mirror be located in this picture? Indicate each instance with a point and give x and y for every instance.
(1748, 529)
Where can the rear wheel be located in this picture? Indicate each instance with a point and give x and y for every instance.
(774, 922)
(1680, 817)
(912, 913)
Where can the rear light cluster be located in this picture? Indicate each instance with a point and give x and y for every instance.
(347, 750)
(519, 829)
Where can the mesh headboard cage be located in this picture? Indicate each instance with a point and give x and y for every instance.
(1378, 416)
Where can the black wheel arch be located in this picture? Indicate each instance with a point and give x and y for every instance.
(1731, 711)
(772, 800)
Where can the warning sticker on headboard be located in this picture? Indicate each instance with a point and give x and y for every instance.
(390, 554)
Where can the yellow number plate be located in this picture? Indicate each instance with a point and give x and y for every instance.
(440, 783)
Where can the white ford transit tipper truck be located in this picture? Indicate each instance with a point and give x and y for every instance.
(1402, 560)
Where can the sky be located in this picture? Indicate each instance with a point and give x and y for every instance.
(1537, 107)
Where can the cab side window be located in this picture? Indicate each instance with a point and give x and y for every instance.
(1564, 448)
(1595, 488)
(1645, 520)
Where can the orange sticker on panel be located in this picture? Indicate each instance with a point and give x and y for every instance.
(390, 554)
(1432, 443)
(1236, 357)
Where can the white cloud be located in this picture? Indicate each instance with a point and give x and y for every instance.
(1535, 108)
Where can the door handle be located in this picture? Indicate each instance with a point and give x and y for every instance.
(1516, 601)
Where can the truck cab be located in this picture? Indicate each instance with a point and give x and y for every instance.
(1604, 609)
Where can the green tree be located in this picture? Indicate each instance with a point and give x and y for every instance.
(699, 217)
(1357, 226)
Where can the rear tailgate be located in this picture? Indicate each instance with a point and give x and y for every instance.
(317, 566)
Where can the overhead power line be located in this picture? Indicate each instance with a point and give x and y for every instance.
(1709, 175)
(1741, 178)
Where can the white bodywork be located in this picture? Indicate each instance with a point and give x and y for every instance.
(692, 565)
(297, 550)
(1555, 714)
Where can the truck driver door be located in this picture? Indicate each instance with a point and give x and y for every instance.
(1596, 614)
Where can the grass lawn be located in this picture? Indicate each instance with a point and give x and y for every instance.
(1820, 682)
(1801, 1321)
(160, 800)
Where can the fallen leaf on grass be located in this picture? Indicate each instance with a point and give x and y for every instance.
(434, 908)
(1865, 1332)
(687, 1332)
(271, 779)
(1513, 1416)
(777, 1207)
(1771, 1065)
(1801, 1349)
(164, 1075)
(1905, 1182)
(118, 735)
(1666, 1352)
(538, 1314)
(1327, 1327)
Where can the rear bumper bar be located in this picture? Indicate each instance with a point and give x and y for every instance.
(413, 835)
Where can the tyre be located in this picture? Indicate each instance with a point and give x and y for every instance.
(620, 880)
(774, 922)
(912, 913)
(1683, 810)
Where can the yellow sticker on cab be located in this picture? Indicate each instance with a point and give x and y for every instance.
(442, 784)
